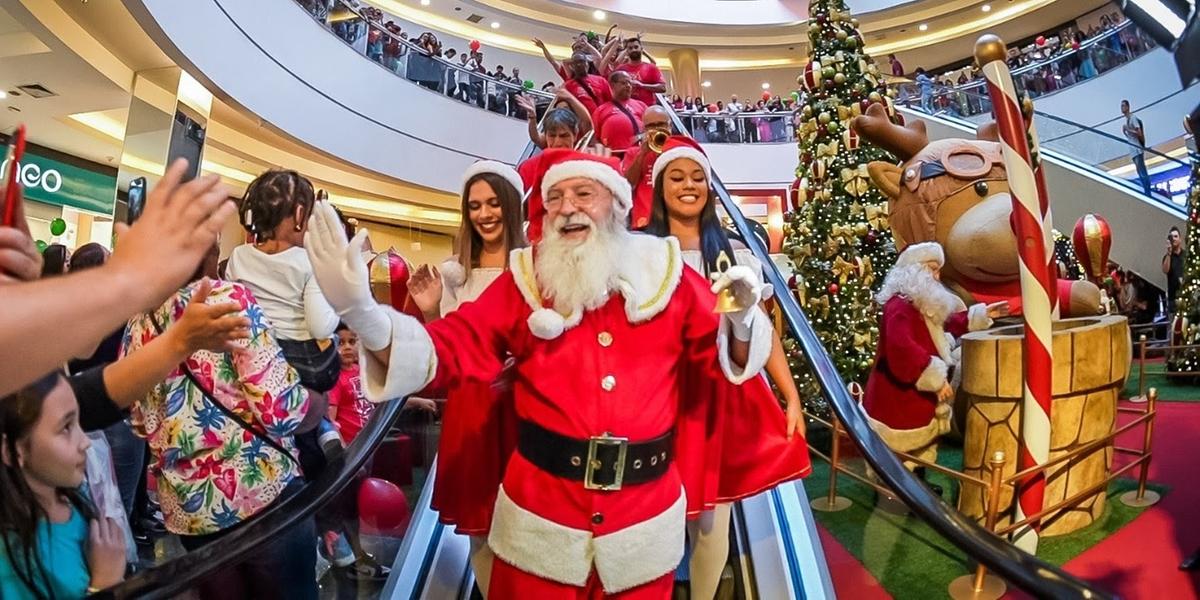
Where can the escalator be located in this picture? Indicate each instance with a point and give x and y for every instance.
(1087, 171)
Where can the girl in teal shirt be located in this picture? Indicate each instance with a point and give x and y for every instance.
(50, 544)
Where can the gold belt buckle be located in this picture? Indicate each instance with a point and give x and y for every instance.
(593, 463)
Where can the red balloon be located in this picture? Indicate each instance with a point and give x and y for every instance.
(712, 108)
(1074, 45)
(474, 45)
(1041, 40)
(766, 95)
(1093, 240)
(382, 507)
(834, 289)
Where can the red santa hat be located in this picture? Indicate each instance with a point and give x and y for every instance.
(922, 253)
(561, 165)
(679, 146)
(496, 168)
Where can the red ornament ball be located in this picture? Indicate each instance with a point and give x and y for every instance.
(834, 289)
(792, 282)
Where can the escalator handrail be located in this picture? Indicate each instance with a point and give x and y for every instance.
(1028, 572)
(180, 574)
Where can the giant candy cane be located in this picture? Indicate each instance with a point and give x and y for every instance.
(1032, 231)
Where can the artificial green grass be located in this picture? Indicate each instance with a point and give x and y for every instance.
(1171, 389)
(910, 559)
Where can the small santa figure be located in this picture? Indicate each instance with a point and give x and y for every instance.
(910, 389)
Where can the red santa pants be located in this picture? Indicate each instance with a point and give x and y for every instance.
(509, 582)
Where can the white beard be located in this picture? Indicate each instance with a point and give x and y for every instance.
(580, 275)
(916, 283)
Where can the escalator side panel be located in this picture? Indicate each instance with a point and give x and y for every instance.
(798, 529)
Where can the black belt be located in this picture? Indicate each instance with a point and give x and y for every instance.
(603, 462)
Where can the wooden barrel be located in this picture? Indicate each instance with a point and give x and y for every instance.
(1091, 361)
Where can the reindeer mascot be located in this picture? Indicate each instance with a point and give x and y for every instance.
(955, 192)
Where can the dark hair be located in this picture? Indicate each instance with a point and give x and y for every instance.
(713, 240)
(20, 511)
(342, 326)
(1173, 229)
(88, 256)
(273, 197)
(55, 260)
(615, 75)
(468, 245)
(561, 117)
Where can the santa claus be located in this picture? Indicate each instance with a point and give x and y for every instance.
(909, 391)
(601, 324)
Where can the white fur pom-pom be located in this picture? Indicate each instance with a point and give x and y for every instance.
(546, 324)
(453, 275)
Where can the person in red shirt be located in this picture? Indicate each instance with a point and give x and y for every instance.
(639, 166)
(647, 78)
(591, 90)
(618, 122)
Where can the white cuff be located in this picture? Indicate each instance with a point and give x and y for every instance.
(412, 364)
(977, 317)
(756, 328)
(934, 376)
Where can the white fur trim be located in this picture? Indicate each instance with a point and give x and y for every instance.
(977, 317)
(943, 341)
(497, 168)
(761, 338)
(623, 559)
(906, 440)
(919, 253)
(644, 552)
(664, 159)
(413, 362)
(934, 376)
(453, 274)
(604, 174)
(546, 324)
(538, 545)
(650, 273)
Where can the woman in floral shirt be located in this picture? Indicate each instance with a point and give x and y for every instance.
(213, 473)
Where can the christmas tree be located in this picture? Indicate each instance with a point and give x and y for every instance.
(1187, 304)
(838, 237)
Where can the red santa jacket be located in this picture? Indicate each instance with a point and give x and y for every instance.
(912, 363)
(616, 369)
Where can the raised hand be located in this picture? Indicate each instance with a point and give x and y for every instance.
(179, 225)
(342, 274)
(425, 286)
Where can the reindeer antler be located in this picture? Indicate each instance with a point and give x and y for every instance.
(877, 128)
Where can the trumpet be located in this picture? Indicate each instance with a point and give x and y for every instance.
(656, 139)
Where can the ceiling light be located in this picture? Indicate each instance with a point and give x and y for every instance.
(3, 94)
(766, 85)
(495, 24)
(706, 84)
(599, 15)
(986, 8)
(424, 2)
(923, 27)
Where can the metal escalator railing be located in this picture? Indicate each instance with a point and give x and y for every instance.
(180, 574)
(1100, 153)
(1026, 571)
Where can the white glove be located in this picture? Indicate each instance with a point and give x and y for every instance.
(342, 274)
(748, 290)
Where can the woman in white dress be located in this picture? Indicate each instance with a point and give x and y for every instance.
(685, 207)
(477, 434)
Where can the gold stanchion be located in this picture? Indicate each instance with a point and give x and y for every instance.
(981, 585)
(1141, 397)
(1142, 496)
(833, 502)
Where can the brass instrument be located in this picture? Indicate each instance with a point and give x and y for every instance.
(656, 139)
(726, 301)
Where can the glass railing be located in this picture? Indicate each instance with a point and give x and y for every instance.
(1037, 72)
(1110, 156)
(756, 127)
(367, 31)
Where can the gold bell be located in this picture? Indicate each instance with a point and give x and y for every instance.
(726, 301)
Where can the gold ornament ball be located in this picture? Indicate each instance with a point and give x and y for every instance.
(814, 28)
(824, 118)
(839, 78)
(806, 111)
(990, 48)
(854, 22)
(841, 35)
(874, 97)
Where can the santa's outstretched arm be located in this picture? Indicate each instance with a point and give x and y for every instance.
(399, 356)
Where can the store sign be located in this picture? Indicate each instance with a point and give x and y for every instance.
(53, 182)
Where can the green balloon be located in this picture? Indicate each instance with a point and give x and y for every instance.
(528, 84)
(58, 226)
(41, 245)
